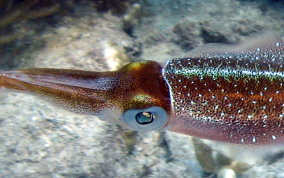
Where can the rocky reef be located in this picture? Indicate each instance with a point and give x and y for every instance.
(40, 140)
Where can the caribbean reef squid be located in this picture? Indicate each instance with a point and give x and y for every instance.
(226, 93)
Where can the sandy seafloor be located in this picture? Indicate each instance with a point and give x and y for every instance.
(38, 139)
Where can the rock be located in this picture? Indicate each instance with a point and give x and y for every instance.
(188, 35)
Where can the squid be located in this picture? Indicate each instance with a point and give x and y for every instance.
(226, 93)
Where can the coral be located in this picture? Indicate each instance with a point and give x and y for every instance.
(12, 11)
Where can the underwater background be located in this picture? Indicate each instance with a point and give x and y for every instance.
(38, 139)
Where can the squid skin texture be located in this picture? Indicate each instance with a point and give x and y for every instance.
(235, 97)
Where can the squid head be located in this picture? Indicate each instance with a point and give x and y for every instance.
(135, 96)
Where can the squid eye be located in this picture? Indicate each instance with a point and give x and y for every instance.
(152, 118)
(144, 118)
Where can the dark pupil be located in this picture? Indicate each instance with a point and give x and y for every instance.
(144, 118)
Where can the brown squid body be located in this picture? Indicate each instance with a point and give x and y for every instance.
(231, 94)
